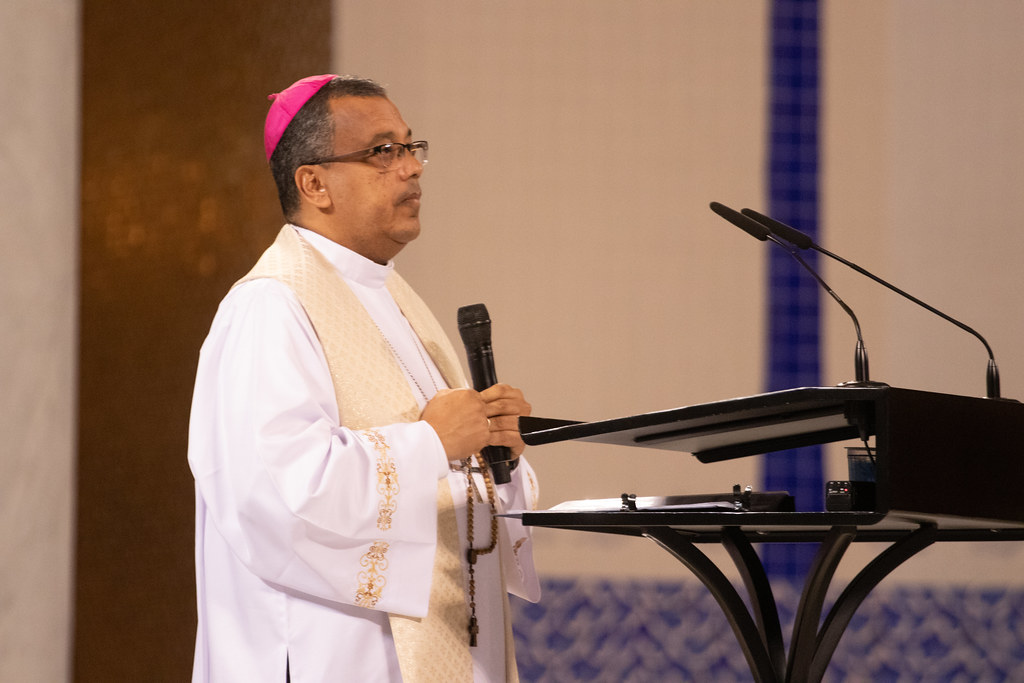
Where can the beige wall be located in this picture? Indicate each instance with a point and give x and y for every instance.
(574, 149)
(575, 146)
(923, 173)
(38, 282)
(923, 181)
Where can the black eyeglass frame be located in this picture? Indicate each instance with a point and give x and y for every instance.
(377, 151)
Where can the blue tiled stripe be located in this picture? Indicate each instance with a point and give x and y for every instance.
(793, 296)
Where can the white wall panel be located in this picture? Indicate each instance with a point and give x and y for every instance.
(38, 284)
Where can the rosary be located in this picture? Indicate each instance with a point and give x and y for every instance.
(472, 495)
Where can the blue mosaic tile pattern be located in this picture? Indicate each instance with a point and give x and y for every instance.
(793, 295)
(626, 631)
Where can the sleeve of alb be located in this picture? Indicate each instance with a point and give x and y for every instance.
(302, 501)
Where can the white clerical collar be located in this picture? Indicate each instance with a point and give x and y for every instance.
(351, 265)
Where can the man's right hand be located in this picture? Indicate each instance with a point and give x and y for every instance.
(459, 416)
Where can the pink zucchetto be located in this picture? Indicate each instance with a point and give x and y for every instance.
(286, 104)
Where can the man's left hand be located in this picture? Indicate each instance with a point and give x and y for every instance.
(504, 404)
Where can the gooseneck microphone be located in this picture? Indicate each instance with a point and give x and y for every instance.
(759, 231)
(475, 330)
(803, 241)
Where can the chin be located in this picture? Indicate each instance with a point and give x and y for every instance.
(407, 234)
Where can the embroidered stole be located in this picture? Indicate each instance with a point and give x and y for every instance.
(372, 391)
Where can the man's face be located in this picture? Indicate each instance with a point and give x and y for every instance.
(374, 211)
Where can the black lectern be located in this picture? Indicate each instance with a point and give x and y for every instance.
(947, 468)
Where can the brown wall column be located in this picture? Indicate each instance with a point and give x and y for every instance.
(177, 202)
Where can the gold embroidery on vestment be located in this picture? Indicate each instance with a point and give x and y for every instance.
(387, 479)
(344, 328)
(372, 580)
(516, 547)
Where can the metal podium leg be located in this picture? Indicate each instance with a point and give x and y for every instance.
(750, 639)
(762, 599)
(869, 577)
(808, 613)
(811, 648)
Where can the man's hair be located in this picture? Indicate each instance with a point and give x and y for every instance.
(310, 135)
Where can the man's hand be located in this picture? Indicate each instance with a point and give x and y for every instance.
(504, 406)
(466, 420)
(459, 416)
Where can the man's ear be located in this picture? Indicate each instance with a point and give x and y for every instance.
(310, 183)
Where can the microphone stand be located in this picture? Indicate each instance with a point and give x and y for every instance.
(803, 241)
(759, 231)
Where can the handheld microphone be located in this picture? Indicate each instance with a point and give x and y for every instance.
(759, 231)
(803, 241)
(475, 330)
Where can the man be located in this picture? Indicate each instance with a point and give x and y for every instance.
(332, 440)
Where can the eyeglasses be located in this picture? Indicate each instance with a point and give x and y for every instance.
(382, 155)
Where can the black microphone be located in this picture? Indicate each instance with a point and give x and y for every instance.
(803, 241)
(756, 229)
(475, 330)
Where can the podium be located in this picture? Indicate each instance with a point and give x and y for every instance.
(947, 469)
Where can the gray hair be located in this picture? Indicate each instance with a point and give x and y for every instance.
(310, 135)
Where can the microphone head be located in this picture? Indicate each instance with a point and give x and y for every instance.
(747, 225)
(798, 239)
(474, 325)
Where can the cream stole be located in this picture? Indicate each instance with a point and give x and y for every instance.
(372, 391)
